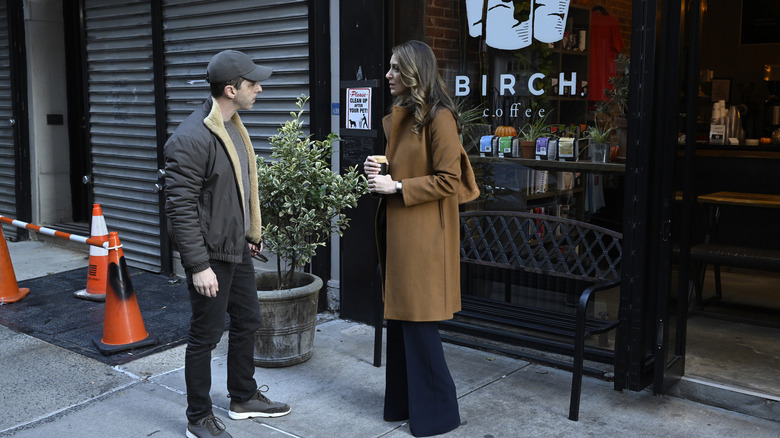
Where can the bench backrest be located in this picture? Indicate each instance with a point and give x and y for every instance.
(541, 244)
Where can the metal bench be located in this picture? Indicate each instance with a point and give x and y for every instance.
(585, 256)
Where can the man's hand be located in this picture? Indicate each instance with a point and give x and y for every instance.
(255, 251)
(205, 283)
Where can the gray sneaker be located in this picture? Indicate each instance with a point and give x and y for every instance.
(258, 406)
(207, 427)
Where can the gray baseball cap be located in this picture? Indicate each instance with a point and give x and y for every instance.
(230, 64)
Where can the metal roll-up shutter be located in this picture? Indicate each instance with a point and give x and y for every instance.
(122, 125)
(7, 155)
(273, 32)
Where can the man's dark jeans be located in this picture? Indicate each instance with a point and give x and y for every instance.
(237, 296)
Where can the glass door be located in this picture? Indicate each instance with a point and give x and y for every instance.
(675, 192)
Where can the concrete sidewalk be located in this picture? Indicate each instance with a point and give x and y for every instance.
(49, 391)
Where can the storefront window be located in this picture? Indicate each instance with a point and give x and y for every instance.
(536, 80)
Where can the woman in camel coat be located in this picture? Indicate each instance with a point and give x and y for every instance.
(418, 238)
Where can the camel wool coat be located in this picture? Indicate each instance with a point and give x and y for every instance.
(421, 261)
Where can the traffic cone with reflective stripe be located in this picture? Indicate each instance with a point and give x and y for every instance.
(10, 292)
(98, 260)
(123, 327)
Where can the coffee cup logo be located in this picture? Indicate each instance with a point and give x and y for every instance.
(545, 22)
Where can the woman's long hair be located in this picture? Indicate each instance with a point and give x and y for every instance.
(427, 92)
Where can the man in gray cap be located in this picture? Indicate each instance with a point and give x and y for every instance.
(214, 222)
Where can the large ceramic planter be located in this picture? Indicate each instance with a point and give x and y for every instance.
(288, 320)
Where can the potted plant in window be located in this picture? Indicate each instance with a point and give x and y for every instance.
(530, 132)
(599, 143)
(301, 200)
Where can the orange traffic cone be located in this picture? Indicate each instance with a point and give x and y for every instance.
(10, 292)
(98, 260)
(123, 327)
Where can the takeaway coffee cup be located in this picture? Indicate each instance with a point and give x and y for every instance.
(382, 160)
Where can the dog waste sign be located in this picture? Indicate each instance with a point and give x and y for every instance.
(359, 108)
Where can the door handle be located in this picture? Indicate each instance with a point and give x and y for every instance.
(160, 185)
(666, 231)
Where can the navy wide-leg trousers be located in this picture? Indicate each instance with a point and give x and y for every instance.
(418, 382)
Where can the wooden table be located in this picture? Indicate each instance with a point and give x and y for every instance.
(741, 199)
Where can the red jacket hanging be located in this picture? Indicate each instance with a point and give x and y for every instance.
(606, 42)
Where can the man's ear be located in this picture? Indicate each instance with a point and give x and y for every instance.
(230, 91)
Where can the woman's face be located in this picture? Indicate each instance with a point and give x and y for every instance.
(397, 88)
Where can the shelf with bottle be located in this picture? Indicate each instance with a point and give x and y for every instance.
(539, 145)
(575, 166)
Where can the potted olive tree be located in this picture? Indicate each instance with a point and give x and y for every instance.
(302, 202)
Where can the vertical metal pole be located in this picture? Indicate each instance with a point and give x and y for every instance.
(631, 352)
(20, 122)
(691, 96)
(668, 364)
(158, 62)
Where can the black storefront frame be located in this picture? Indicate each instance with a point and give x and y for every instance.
(653, 110)
(319, 80)
(364, 31)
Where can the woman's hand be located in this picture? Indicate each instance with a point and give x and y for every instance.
(370, 166)
(382, 184)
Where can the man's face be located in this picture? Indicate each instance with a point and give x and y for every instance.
(245, 96)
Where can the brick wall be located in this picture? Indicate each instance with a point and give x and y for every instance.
(442, 24)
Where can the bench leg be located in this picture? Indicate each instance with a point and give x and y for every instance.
(576, 384)
(691, 289)
(700, 270)
(576, 378)
(718, 288)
